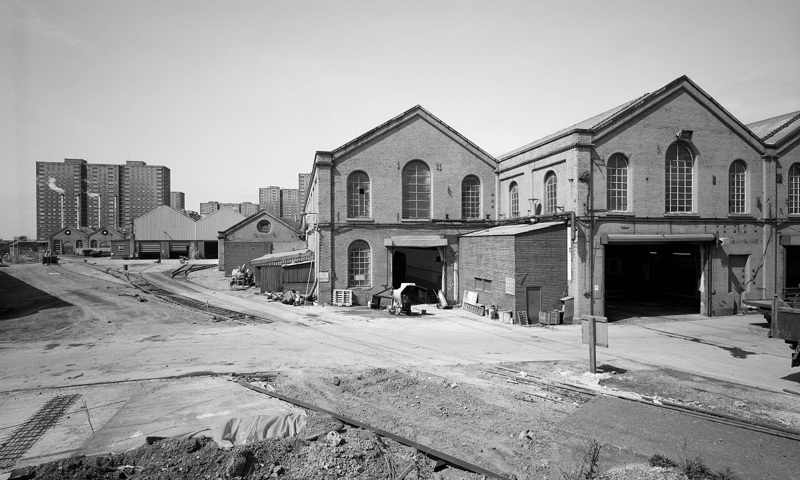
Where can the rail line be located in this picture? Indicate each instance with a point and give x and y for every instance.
(586, 393)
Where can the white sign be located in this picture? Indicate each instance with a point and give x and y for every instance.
(510, 286)
(324, 277)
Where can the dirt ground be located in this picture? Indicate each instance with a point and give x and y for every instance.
(468, 411)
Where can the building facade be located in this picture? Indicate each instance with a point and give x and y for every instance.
(177, 200)
(269, 199)
(388, 207)
(672, 203)
(207, 208)
(80, 194)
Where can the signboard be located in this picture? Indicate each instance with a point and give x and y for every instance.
(600, 330)
(324, 277)
(510, 286)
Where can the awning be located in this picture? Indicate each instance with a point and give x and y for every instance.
(419, 241)
(626, 238)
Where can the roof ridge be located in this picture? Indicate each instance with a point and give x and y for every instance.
(781, 127)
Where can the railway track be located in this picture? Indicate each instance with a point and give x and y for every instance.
(137, 280)
(583, 395)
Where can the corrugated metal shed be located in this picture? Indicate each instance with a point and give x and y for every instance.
(507, 230)
(164, 223)
(208, 228)
(774, 130)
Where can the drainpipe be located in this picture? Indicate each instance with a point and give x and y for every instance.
(591, 235)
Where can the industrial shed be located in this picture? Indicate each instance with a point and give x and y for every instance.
(167, 233)
(279, 272)
(70, 240)
(522, 267)
(257, 235)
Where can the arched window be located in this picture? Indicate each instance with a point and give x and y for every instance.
(57, 247)
(794, 189)
(679, 179)
(513, 200)
(358, 195)
(78, 243)
(471, 198)
(359, 260)
(550, 193)
(93, 244)
(416, 190)
(617, 183)
(737, 187)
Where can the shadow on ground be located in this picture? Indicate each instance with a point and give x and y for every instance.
(21, 299)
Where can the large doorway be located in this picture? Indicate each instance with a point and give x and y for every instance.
(792, 272)
(422, 266)
(643, 280)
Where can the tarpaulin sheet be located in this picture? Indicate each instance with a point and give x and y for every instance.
(251, 429)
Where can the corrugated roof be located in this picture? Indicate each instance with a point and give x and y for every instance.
(588, 124)
(773, 130)
(509, 230)
(273, 257)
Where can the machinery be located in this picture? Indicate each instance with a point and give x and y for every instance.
(783, 317)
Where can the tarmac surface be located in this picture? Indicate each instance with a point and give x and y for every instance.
(730, 348)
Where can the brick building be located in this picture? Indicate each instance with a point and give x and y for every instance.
(672, 202)
(177, 200)
(388, 207)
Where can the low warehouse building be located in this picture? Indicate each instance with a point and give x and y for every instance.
(256, 235)
(285, 271)
(521, 268)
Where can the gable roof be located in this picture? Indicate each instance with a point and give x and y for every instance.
(414, 112)
(255, 217)
(611, 117)
(778, 129)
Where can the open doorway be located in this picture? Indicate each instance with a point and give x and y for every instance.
(422, 266)
(643, 280)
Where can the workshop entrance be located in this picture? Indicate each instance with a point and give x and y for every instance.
(653, 279)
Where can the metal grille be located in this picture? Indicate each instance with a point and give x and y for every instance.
(416, 190)
(679, 176)
(358, 265)
(30, 431)
(358, 196)
(550, 193)
(736, 187)
(617, 174)
(794, 189)
(471, 198)
(514, 200)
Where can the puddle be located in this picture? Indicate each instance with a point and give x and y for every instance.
(51, 346)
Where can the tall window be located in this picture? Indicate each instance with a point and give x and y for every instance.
(513, 200)
(471, 197)
(358, 195)
(78, 243)
(679, 179)
(93, 244)
(416, 190)
(550, 193)
(617, 183)
(794, 189)
(737, 177)
(358, 264)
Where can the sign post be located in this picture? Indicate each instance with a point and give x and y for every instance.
(594, 332)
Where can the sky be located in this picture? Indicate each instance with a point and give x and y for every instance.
(237, 95)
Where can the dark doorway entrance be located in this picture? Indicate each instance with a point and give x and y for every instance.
(533, 303)
(210, 250)
(792, 273)
(422, 266)
(643, 280)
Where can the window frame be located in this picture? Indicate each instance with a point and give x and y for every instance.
(737, 188)
(793, 190)
(359, 265)
(675, 173)
(481, 284)
(513, 200)
(617, 178)
(413, 202)
(359, 205)
(471, 198)
(550, 192)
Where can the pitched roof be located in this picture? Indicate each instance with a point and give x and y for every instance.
(774, 130)
(415, 111)
(598, 122)
(511, 230)
(257, 216)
